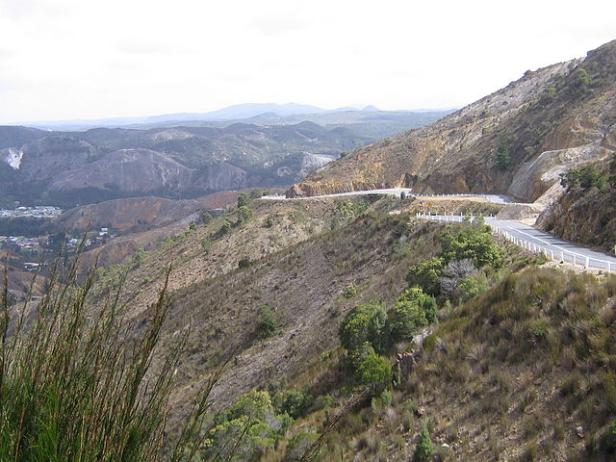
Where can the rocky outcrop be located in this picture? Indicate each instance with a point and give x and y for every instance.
(583, 216)
(514, 141)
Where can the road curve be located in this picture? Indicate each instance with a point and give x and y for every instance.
(539, 241)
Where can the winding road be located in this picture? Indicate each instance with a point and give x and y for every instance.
(515, 231)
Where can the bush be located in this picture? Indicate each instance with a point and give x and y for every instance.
(472, 242)
(206, 243)
(243, 200)
(374, 371)
(247, 429)
(414, 309)
(584, 178)
(424, 449)
(365, 324)
(427, 275)
(73, 388)
(295, 402)
(243, 262)
(503, 158)
(267, 323)
(244, 214)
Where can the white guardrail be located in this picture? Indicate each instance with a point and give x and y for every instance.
(539, 246)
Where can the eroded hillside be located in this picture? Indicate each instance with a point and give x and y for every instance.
(516, 140)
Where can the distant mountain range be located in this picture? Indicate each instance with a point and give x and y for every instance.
(249, 145)
(260, 113)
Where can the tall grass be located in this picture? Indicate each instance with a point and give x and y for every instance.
(77, 382)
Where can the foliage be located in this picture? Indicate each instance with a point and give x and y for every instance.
(246, 429)
(71, 388)
(472, 242)
(584, 178)
(473, 286)
(503, 158)
(424, 449)
(414, 309)
(365, 324)
(583, 78)
(349, 291)
(375, 371)
(267, 322)
(206, 243)
(243, 200)
(295, 402)
(225, 227)
(244, 214)
(426, 275)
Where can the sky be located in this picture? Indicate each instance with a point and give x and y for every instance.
(88, 59)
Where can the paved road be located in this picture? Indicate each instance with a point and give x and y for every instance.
(494, 198)
(539, 241)
(521, 234)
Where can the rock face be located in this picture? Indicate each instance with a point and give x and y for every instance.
(583, 216)
(538, 126)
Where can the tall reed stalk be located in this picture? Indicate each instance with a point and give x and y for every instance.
(77, 383)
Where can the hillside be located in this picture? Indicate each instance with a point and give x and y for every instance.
(514, 141)
(72, 168)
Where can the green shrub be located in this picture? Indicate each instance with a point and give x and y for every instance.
(584, 178)
(267, 322)
(246, 429)
(244, 214)
(72, 388)
(206, 243)
(503, 158)
(349, 291)
(243, 200)
(424, 449)
(365, 324)
(473, 242)
(427, 275)
(414, 309)
(375, 371)
(295, 402)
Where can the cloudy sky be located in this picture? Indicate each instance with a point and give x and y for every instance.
(77, 59)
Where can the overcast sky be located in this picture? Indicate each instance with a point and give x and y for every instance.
(77, 59)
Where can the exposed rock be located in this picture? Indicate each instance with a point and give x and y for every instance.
(546, 121)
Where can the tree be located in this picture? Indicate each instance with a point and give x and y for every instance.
(503, 158)
(472, 242)
(243, 200)
(426, 275)
(375, 371)
(414, 309)
(583, 78)
(366, 323)
(244, 213)
(266, 321)
(424, 449)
